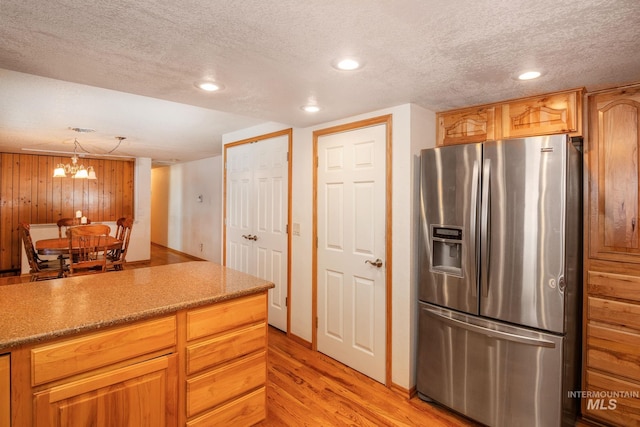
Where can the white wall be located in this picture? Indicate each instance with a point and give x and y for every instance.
(140, 243)
(413, 129)
(187, 207)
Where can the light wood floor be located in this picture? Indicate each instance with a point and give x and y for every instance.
(159, 256)
(307, 388)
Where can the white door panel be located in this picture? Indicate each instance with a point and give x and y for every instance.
(271, 176)
(257, 203)
(239, 182)
(334, 306)
(351, 210)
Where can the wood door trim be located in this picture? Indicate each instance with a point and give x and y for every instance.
(386, 120)
(289, 134)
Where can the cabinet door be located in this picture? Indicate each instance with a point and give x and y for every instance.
(544, 115)
(144, 394)
(5, 391)
(613, 159)
(470, 125)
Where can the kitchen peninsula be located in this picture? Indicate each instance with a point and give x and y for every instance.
(179, 344)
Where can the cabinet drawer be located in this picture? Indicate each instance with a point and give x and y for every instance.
(225, 383)
(73, 356)
(245, 411)
(613, 285)
(613, 312)
(613, 351)
(225, 316)
(226, 347)
(619, 404)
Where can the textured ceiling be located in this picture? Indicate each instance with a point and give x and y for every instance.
(128, 68)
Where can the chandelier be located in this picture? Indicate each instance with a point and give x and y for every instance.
(74, 170)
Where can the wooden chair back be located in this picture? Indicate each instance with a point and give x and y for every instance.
(66, 223)
(88, 248)
(117, 258)
(39, 269)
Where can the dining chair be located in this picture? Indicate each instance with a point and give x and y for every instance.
(66, 223)
(116, 258)
(88, 249)
(38, 268)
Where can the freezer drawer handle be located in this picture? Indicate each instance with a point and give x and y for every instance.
(377, 263)
(492, 333)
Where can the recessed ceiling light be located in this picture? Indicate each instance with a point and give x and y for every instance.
(209, 86)
(529, 75)
(310, 108)
(347, 64)
(82, 130)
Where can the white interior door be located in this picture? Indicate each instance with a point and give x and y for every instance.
(351, 285)
(239, 222)
(257, 216)
(270, 205)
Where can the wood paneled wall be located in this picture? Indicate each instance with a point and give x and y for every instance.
(29, 193)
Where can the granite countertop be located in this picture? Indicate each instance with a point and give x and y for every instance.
(39, 311)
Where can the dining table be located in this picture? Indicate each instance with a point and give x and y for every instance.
(60, 246)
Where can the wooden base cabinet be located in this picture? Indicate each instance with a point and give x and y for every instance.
(200, 367)
(5, 390)
(227, 363)
(122, 376)
(612, 356)
(611, 342)
(143, 394)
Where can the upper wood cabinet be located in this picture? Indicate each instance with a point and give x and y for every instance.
(476, 124)
(611, 344)
(614, 174)
(559, 112)
(543, 115)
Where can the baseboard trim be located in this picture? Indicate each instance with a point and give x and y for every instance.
(299, 340)
(406, 393)
(175, 251)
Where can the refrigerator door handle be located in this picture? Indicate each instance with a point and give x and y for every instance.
(491, 333)
(473, 223)
(485, 228)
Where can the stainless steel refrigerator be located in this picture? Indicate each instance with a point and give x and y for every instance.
(500, 279)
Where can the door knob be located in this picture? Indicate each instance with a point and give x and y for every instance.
(377, 263)
(250, 237)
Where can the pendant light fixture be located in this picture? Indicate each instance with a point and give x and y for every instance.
(74, 170)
